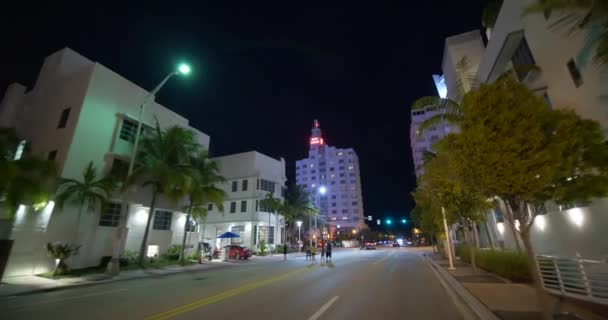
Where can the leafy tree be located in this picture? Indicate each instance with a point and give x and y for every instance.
(515, 148)
(163, 165)
(89, 193)
(577, 15)
(28, 180)
(447, 183)
(202, 190)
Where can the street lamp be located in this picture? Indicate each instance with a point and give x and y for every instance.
(321, 190)
(182, 69)
(113, 265)
(299, 223)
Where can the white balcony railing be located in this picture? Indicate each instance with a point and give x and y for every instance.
(577, 278)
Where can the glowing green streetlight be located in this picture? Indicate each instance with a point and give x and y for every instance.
(184, 69)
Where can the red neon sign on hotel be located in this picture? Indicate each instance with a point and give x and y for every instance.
(316, 140)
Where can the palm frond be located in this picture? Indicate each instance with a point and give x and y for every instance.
(426, 101)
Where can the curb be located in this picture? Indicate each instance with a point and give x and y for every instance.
(474, 305)
(100, 282)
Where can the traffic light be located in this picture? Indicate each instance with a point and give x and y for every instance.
(404, 221)
(389, 221)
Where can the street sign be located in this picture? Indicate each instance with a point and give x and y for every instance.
(369, 218)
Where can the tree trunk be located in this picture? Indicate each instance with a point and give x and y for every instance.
(476, 235)
(144, 241)
(489, 235)
(471, 246)
(183, 250)
(535, 273)
(113, 267)
(511, 219)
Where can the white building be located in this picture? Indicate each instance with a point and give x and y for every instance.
(80, 111)
(250, 176)
(337, 170)
(467, 46)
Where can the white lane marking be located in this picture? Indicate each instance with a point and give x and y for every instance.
(323, 308)
(69, 298)
(383, 259)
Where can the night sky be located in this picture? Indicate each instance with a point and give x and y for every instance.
(262, 74)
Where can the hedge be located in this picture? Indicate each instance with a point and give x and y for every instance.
(508, 264)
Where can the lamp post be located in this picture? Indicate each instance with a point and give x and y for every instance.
(299, 223)
(183, 69)
(447, 238)
(113, 265)
(321, 190)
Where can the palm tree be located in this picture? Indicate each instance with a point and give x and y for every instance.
(89, 193)
(450, 109)
(163, 165)
(202, 191)
(576, 15)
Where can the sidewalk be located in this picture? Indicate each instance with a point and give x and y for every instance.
(24, 285)
(507, 300)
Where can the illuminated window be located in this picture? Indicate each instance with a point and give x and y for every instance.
(111, 216)
(332, 176)
(191, 225)
(351, 167)
(162, 220)
(312, 165)
(340, 153)
(313, 185)
(127, 130)
(237, 230)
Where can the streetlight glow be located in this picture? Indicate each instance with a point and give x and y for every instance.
(299, 223)
(184, 69)
(322, 190)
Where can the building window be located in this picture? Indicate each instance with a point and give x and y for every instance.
(257, 183)
(264, 207)
(267, 185)
(351, 167)
(342, 181)
(352, 174)
(344, 210)
(235, 186)
(162, 220)
(244, 185)
(210, 207)
(334, 212)
(341, 168)
(333, 204)
(270, 235)
(119, 169)
(547, 100)
(313, 171)
(332, 182)
(244, 206)
(52, 155)
(522, 59)
(313, 178)
(333, 196)
(111, 215)
(353, 181)
(354, 203)
(341, 161)
(240, 230)
(63, 120)
(127, 130)
(341, 174)
(191, 225)
(331, 168)
(575, 74)
(340, 153)
(232, 207)
(312, 165)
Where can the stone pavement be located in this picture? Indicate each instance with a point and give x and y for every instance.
(513, 300)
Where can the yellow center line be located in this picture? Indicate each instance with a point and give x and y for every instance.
(219, 297)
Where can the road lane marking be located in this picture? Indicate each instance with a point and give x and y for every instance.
(224, 295)
(29, 305)
(323, 308)
(383, 259)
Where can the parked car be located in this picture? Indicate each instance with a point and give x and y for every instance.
(370, 246)
(395, 245)
(238, 252)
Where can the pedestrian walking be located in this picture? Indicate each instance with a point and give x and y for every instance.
(307, 249)
(313, 251)
(322, 252)
(284, 251)
(328, 252)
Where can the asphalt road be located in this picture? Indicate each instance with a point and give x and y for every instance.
(388, 283)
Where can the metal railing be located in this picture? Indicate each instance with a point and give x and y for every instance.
(578, 278)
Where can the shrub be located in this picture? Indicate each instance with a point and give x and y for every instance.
(173, 252)
(508, 264)
(262, 247)
(61, 252)
(129, 258)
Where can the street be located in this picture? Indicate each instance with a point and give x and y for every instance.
(388, 283)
